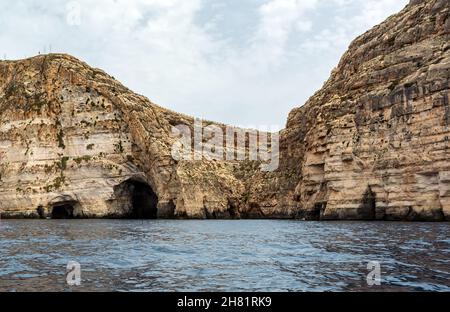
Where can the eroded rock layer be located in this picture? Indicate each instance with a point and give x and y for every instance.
(72, 136)
(372, 144)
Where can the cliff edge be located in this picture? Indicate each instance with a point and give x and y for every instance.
(372, 144)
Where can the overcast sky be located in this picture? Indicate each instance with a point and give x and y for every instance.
(242, 62)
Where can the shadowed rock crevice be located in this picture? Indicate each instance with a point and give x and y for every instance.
(254, 212)
(319, 210)
(166, 210)
(233, 211)
(380, 120)
(367, 210)
(63, 210)
(41, 212)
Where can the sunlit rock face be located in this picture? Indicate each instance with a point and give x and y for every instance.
(71, 136)
(372, 144)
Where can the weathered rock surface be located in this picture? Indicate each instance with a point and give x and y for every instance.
(71, 134)
(371, 144)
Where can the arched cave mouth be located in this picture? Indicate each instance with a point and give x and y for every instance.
(143, 200)
(63, 210)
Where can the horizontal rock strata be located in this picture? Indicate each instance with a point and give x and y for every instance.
(372, 144)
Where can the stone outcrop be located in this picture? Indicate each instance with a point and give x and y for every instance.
(72, 135)
(372, 144)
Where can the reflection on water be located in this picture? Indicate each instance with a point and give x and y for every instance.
(160, 255)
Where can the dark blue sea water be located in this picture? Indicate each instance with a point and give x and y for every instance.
(160, 255)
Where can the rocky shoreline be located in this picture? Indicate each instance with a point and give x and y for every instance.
(372, 144)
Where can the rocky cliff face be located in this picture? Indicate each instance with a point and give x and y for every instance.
(75, 141)
(371, 144)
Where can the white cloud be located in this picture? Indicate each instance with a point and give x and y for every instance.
(278, 19)
(250, 63)
(345, 27)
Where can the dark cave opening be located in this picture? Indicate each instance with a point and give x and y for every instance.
(144, 201)
(368, 205)
(63, 211)
(40, 211)
(319, 210)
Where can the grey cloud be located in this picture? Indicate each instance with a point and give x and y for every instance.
(243, 62)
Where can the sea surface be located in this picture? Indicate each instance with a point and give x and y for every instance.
(163, 255)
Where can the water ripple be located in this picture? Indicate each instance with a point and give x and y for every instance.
(223, 255)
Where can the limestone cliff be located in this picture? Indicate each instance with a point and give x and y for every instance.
(72, 136)
(371, 144)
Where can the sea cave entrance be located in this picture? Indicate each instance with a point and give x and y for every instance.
(142, 199)
(63, 210)
(368, 205)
